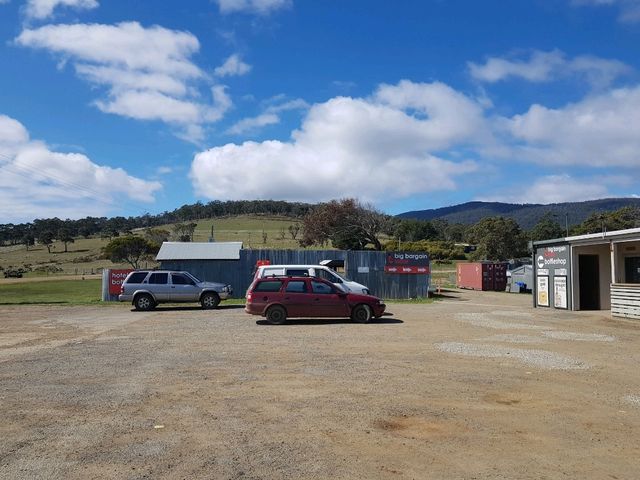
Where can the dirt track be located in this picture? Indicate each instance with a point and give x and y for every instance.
(478, 386)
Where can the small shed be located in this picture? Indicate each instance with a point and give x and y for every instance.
(520, 279)
(599, 271)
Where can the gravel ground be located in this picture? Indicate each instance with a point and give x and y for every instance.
(477, 386)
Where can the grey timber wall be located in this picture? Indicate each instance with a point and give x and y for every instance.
(239, 273)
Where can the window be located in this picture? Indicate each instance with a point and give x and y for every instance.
(298, 272)
(297, 286)
(268, 286)
(330, 276)
(178, 279)
(159, 278)
(137, 277)
(321, 287)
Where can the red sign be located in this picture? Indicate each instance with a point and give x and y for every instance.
(116, 278)
(260, 263)
(412, 269)
(408, 263)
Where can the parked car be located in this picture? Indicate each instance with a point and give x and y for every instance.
(147, 288)
(319, 271)
(278, 298)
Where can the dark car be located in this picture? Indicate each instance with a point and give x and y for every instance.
(277, 298)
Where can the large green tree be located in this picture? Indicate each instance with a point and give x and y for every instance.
(546, 228)
(346, 223)
(626, 217)
(130, 249)
(497, 238)
(65, 236)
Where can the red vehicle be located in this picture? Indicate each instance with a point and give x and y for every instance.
(277, 298)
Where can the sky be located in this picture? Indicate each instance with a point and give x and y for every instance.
(114, 107)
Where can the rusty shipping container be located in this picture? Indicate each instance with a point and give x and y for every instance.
(486, 276)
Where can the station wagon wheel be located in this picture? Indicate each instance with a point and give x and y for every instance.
(144, 302)
(209, 300)
(361, 314)
(276, 315)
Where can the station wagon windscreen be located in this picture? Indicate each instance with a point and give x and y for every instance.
(319, 287)
(333, 277)
(268, 286)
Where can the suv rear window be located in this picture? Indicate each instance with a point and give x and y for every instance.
(159, 278)
(136, 277)
(268, 286)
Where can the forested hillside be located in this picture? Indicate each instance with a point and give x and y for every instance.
(526, 215)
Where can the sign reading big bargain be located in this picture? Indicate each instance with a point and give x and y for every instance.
(407, 263)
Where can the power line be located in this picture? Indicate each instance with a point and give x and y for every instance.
(105, 200)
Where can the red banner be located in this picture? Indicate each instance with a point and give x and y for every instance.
(412, 269)
(116, 278)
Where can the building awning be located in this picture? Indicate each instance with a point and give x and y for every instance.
(199, 251)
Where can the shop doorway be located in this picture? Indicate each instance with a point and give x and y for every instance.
(589, 280)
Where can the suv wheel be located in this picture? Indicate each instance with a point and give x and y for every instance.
(209, 300)
(361, 314)
(144, 302)
(276, 315)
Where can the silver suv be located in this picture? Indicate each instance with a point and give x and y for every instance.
(145, 289)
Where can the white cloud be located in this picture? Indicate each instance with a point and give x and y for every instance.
(629, 9)
(376, 149)
(38, 182)
(253, 123)
(233, 66)
(148, 72)
(42, 9)
(269, 117)
(259, 7)
(549, 66)
(553, 189)
(599, 131)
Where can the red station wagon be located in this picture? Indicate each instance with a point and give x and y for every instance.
(280, 297)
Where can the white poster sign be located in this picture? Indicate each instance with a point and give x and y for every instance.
(543, 291)
(560, 292)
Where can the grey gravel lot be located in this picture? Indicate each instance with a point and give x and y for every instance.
(476, 386)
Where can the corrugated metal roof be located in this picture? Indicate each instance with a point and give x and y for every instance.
(199, 251)
(603, 237)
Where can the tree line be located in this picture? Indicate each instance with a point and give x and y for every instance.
(346, 224)
(44, 231)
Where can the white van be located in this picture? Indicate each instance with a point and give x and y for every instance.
(319, 271)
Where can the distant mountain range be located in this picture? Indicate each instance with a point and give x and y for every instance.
(527, 215)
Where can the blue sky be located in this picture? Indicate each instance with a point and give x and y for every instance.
(120, 108)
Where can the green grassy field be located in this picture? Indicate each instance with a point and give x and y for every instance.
(84, 255)
(65, 292)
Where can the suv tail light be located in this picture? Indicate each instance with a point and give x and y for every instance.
(249, 297)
